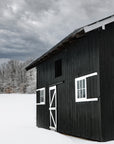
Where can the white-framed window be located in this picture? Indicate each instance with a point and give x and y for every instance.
(81, 93)
(40, 93)
(81, 89)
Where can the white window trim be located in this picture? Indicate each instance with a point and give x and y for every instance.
(84, 99)
(42, 103)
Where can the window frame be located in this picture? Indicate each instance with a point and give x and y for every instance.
(85, 99)
(78, 80)
(40, 89)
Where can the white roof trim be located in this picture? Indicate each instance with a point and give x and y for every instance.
(98, 24)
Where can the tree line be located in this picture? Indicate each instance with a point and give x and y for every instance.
(15, 79)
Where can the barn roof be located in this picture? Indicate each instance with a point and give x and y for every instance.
(75, 34)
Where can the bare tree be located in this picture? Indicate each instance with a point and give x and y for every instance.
(15, 79)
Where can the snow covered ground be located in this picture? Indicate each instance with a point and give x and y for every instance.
(17, 123)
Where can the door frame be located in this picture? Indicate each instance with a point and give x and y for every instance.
(54, 97)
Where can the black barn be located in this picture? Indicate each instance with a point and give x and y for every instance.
(75, 83)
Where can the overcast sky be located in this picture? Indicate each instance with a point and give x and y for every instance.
(29, 28)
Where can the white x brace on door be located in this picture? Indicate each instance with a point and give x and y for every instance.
(53, 107)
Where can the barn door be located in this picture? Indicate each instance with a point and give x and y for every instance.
(53, 107)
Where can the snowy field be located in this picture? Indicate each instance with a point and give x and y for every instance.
(17, 123)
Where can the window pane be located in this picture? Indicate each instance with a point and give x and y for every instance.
(77, 84)
(78, 94)
(80, 84)
(41, 92)
(83, 83)
(42, 96)
(41, 99)
(83, 93)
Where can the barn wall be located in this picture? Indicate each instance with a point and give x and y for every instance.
(80, 57)
(106, 38)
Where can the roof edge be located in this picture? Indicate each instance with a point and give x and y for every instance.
(77, 33)
(66, 39)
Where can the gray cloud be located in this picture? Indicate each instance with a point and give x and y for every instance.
(28, 28)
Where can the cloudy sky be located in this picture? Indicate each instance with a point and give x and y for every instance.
(28, 28)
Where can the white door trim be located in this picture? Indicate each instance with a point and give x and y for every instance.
(53, 118)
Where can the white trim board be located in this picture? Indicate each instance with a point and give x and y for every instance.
(40, 89)
(87, 100)
(98, 24)
(86, 76)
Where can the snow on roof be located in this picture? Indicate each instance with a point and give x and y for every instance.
(98, 24)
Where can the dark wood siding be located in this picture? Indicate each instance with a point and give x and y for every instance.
(79, 57)
(92, 87)
(106, 39)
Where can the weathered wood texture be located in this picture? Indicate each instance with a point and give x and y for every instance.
(106, 45)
